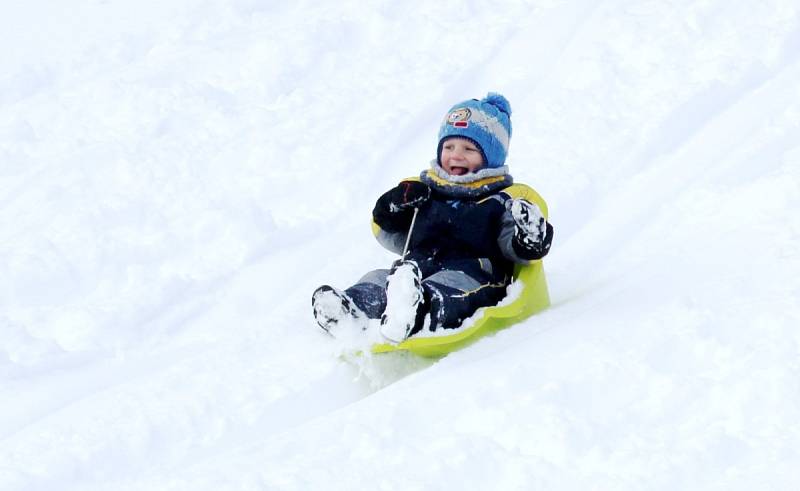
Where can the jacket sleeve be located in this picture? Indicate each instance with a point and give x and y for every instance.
(512, 240)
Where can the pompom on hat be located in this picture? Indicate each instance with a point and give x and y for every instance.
(487, 122)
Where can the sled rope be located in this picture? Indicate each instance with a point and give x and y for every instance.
(410, 230)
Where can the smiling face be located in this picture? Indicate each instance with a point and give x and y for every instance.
(460, 156)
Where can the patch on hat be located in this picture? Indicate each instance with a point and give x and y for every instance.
(459, 117)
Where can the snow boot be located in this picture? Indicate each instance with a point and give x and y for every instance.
(333, 310)
(405, 300)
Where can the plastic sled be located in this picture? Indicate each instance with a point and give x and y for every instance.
(533, 298)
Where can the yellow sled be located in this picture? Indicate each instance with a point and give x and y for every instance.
(533, 298)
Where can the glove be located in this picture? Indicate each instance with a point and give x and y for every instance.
(531, 227)
(392, 211)
(407, 195)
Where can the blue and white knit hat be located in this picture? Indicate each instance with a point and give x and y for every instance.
(487, 122)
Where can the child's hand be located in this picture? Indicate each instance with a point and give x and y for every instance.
(392, 211)
(408, 194)
(530, 222)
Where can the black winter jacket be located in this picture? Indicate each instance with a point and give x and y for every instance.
(463, 220)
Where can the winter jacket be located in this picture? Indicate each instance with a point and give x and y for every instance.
(465, 222)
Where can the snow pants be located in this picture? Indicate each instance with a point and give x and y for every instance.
(453, 290)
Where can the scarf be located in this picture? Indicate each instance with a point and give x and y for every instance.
(471, 185)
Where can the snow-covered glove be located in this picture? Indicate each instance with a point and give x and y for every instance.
(529, 220)
(532, 232)
(392, 211)
(407, 195)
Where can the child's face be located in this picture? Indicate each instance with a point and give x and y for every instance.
(460, 156)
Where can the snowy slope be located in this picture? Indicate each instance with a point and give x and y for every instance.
(177, 177)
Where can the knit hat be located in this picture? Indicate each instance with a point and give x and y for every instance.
(487, 122)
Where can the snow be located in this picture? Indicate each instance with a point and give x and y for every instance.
(177, 177)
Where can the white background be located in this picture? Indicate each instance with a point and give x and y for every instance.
(177, 177)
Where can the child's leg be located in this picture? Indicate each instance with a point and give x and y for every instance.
(454, 295)
(405, 303)
(369, 294)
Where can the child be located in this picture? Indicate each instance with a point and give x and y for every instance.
(464, 225)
